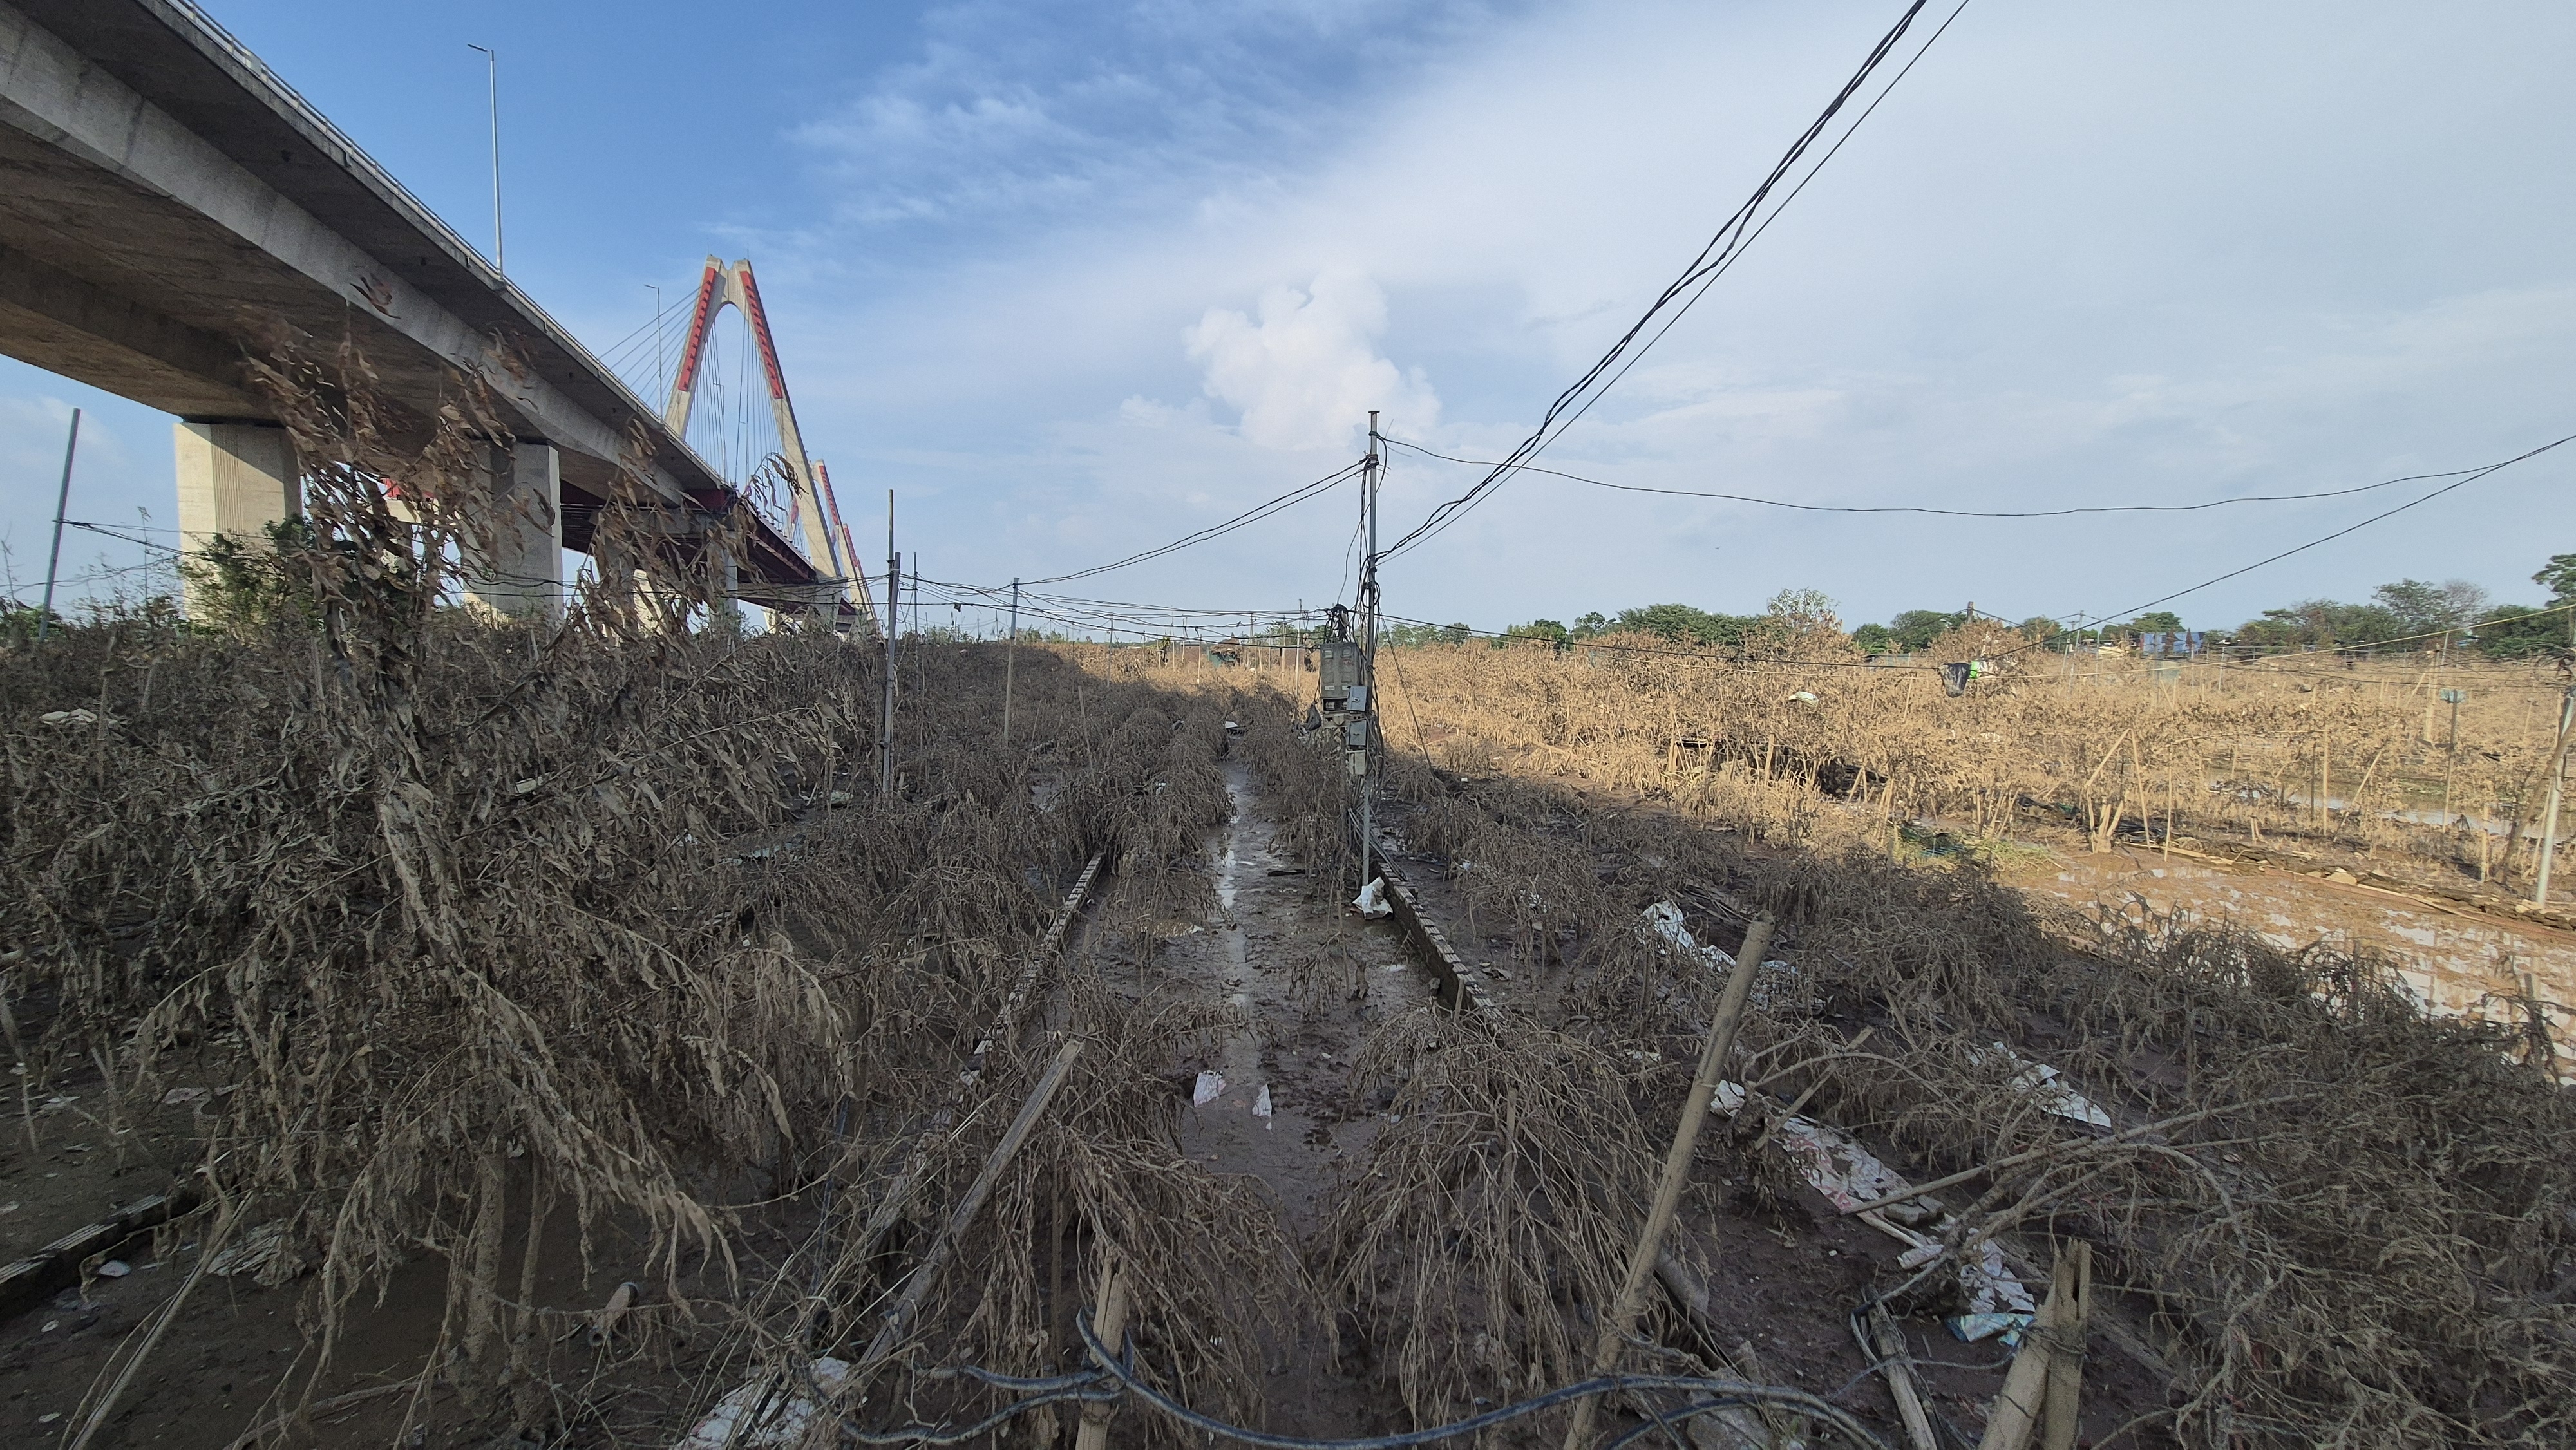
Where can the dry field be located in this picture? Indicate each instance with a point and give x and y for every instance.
(557, 1038)
(2098, 780)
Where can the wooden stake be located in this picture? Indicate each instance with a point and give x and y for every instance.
(1677, 1162)
(2060, 1416)
(1112, 1326)
(2018, 1405)
(916, 1287)
(1890, 1351)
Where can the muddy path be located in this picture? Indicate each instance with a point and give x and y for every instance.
(1306, 980)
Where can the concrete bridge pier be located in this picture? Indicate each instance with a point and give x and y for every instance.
(235, 479)
(521, 575)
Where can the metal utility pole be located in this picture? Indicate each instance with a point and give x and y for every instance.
(885, 717)
(661, 392)
(1367, 714)
(62, 505)
(492, 59)
(1010, 661)
(2549, 813)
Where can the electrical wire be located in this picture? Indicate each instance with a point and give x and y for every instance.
(1252, 515)
(1823, 508)
(1076, 613)
(2473, 476)
(121, 538)
(1733, 236)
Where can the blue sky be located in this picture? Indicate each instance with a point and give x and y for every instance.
(1074, 280)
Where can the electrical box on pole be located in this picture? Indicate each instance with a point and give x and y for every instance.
(1337, 672)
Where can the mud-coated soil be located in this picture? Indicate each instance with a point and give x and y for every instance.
(2455, 962)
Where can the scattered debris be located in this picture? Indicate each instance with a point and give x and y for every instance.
(1371, 902)
(603, 1325)
(69, 717)
(1261, 1106)
(2043, 1082)
(261, 1252)
(1210, 1086)
(1665, 920)
(1853, 1179)
(765, 1411)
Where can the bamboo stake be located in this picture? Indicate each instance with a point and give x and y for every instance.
(917, 1286)
(1889, 1349)
(1112, 1324)
(2060, 1414)
(2020, 1403)
(1677, 1162)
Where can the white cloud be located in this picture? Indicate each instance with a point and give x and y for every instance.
(1308, 373)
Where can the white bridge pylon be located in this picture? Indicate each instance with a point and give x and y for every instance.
(826, 539)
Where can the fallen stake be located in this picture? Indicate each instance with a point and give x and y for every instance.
(1004, 1029)
(2061, 1413)
(1888, 1348)
(916, 1287)
(603, 1325)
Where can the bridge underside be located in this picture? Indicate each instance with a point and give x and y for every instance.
(167, 211)
(106, 283)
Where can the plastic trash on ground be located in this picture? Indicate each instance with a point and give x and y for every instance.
(1261, 1106)
(1664, 920)
(1210, 1084)
(766, 1412)
(1851, 1178)
(1973, 1327)
(1371, 901)
(2043, 1083)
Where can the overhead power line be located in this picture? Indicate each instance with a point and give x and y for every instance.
(2471, 477)
(1733, 236)
(1252, 515)
(1827, 508)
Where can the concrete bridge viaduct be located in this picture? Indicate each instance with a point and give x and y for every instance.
(166, 203)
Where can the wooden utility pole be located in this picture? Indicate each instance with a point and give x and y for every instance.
(885, 716)
(1010, 660)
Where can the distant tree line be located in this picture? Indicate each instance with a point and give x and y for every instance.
(2409, 613)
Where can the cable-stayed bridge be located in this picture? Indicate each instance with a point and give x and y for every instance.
(167, 203)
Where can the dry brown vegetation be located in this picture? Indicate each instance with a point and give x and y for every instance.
(2362, 1237)
(2320, 750)
(479, 931)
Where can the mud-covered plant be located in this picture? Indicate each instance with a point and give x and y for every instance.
(1492, 1212)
